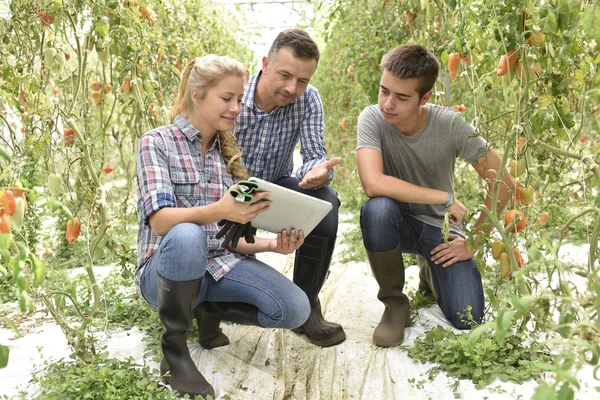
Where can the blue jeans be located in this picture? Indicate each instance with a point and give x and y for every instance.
(385, 225)
(182, 256)
(329, 225)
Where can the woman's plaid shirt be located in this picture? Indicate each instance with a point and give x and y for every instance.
(171, 173)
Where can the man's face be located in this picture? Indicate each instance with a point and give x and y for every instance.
(399, 99)
(286, 77)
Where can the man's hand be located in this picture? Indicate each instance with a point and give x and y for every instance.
(319, 175)
(286, 244)
(457, 212)
(448, 254)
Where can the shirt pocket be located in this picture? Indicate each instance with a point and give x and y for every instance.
(186, 186)
(227, 181)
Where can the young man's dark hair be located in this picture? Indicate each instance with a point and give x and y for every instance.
(298, 41)
(410, 61)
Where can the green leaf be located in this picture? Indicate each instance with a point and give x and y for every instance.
(3, 356)
(591, 22)
(476, 333)
(505, 319)
(523, 304)
(4, 153)
(566, 393)
(544, 392)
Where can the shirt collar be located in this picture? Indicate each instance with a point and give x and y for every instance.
(190, 131)
(248, 99)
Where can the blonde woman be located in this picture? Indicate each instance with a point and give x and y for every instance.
(184, 173)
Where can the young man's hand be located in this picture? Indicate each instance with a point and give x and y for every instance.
(319, 175)
(448, 254)
(457, 212)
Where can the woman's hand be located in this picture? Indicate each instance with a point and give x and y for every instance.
(242, 213)
(286, 244)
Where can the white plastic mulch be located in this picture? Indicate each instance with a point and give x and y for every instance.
(278, 364)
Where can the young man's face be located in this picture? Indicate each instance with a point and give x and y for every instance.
(285, 77)
(399, 99)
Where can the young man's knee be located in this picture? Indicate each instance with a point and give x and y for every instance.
(378, 209)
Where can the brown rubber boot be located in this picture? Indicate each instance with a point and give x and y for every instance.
(426, 285)
(388, 269)
(311, 268)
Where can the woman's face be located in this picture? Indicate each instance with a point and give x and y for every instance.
(218, 110)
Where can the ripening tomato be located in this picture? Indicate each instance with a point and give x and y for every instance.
(46, 17)
(498, 247)
(518, 256)
(126, 85)
(526, 195)
(453, 65)
(543, 218)
(9, 205)
(344, 124)
(68, 137)
(510, 215)
(5, 225)
(507, 62)
(108, 169)
(504, 265)
(96, 86)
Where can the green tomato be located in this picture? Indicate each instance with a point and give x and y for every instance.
(50, 56)
(431, 11)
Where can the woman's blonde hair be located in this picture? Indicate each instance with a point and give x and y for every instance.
(204, 73)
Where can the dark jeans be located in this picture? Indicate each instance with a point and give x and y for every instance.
(329, 225)
(385, 225)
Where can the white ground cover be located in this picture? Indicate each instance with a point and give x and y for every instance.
(278, 364)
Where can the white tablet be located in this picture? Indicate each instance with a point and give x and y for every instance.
(289, 209)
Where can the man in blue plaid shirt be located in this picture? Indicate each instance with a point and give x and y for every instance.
(280, 109)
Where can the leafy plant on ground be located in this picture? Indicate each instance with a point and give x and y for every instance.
(105, 377)
(481, 361)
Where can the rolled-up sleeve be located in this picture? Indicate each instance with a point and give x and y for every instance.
(154, 181)
(312, 139)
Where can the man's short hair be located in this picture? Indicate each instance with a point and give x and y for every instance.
(298, 41)
(410, 61)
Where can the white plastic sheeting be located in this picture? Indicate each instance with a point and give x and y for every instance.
(277, 364)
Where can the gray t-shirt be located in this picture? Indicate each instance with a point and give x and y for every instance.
(426, 159)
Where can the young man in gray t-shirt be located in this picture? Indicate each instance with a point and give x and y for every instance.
(406, 152)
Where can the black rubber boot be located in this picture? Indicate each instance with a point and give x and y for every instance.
(388, 269)
(209, 315)
(210, 335)
(175, 302)
(311, 267)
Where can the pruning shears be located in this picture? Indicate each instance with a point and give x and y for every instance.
(244, 192)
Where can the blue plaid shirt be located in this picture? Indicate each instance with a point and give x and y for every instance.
(268, 139)
(171, 173)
